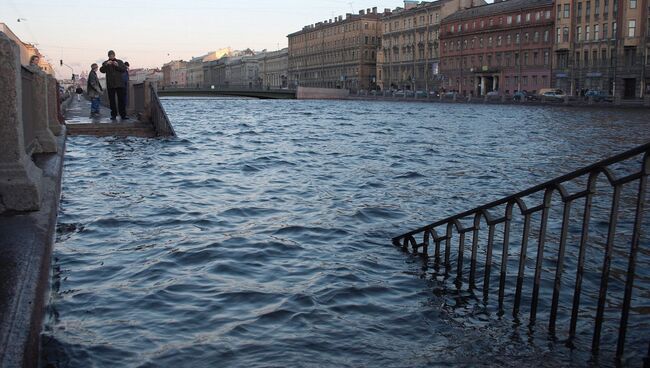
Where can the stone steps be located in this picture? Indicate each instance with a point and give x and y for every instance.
(117, 129)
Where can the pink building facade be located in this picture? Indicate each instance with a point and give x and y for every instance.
(504, 47)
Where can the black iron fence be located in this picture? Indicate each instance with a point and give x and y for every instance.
(577, 262)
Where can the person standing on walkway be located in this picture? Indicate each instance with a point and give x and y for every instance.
(113, 68)
(94, 90)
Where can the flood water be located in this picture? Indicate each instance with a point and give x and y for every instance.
(260, 236)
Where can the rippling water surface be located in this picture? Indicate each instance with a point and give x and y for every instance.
(260, 237)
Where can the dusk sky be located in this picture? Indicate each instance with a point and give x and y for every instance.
(148, 33)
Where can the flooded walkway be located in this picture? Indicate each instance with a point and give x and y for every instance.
(80, 122)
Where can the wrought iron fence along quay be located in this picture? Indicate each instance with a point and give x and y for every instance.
(575, 238)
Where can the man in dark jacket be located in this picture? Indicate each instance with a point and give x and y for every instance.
(113, 68)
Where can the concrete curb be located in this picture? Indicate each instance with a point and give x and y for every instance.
(26, 244)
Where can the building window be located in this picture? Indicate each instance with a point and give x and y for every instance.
(604, 31)
(632, 4)
(518, 18)
(546, 57)
(528, 17)
(631, 28)
(559, 11)
(546, 36)
(587, 33)
(565, 34)
(509, 19)
(596, 32)
(559, 35)
(578, 33)
(579, 11)
(567, 11)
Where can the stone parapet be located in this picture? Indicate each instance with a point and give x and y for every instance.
(52, 106)
(40, 113)
(20, 179)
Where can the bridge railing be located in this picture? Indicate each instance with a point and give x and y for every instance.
(233, 88)
(559, 249)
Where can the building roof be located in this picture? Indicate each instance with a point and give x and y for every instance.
(505, 6)
(363, 15)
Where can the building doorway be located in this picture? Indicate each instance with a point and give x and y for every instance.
(629, 88)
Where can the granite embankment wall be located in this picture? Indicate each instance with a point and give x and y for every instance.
(32, 143)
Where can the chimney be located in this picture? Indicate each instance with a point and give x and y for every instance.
(348, 15)
(361, 12)
(368, 11)
(410, 4)
(374, 10)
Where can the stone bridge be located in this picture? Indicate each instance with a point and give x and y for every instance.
(284, 94)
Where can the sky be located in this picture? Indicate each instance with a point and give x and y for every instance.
(149, 33)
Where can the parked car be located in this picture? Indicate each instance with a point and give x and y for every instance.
(421, 94)
(523, 96)
(398, 93)
(493, 94)
(449, 94)
(409, 93)
(598, 96)
(552, 94)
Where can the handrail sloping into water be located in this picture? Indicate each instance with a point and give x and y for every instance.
(161, 123)
(585, 185)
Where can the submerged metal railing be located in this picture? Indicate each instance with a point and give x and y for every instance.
(535, 206)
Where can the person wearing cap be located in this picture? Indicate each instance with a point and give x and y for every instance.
(94, 90)
(114, 68)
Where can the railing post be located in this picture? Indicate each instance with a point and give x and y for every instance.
(40, 113)
(146, 115)
(52, 109)
(19, 178)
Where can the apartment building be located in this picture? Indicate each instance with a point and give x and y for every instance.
(505, 46)
(175, 74)
(602, 45)
(273, 68)
(339, 53)
(409, 54)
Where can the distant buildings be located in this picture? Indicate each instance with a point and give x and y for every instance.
(338, 53)
(409, 56)
(505, 46)
(604, 45)
(467, 46)
(273, 68)
(27, 50)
